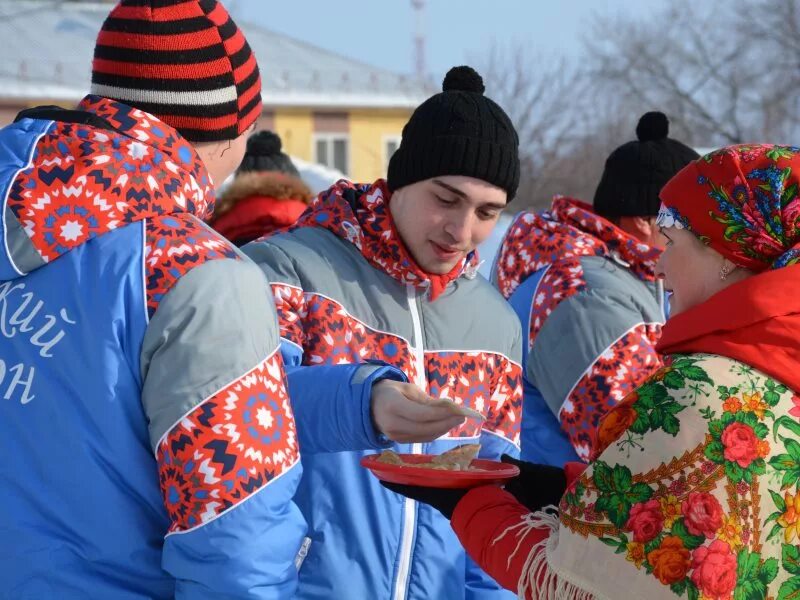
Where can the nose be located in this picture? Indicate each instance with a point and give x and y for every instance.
(459, 229)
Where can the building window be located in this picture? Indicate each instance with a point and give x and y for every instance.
(390, 145)
(333, 150)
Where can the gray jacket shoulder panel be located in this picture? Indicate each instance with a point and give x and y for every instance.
(217, 323)
(582, 327)
(319, 262)
(21, 250)
(603, 274)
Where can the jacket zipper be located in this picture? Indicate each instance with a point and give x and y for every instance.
(410, 506)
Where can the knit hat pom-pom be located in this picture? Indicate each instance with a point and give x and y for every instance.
(652, 126)
(463, 79)
(264, 143)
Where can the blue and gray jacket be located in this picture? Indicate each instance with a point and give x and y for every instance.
(591, 309)
(353, 308)
(148, 444)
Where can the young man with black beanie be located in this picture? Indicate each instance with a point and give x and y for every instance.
(149, 448)
(584, 286)
(382, 316)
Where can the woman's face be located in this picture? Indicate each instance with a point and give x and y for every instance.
(691, 270)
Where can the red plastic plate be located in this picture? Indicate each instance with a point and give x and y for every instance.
(492, 472)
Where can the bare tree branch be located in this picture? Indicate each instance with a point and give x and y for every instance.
(546, 99)
(722, 77)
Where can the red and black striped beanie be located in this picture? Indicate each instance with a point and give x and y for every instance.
(183, 61)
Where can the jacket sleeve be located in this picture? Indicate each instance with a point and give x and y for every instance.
(482, 517)
(494, 530)
(223, 433)
(332, 403)
(500, 435)
(501, 430)
(595, 348)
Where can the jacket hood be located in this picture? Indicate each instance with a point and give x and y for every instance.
(570, 229)
(68, 181)
(267, 184)
(360, 215)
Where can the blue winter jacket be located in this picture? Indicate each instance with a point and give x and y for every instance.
(148, 443)
(591, 310)
(347, 295)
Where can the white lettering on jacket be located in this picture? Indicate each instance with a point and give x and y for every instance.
(22, 315)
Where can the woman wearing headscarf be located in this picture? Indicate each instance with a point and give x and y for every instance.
(693, 490)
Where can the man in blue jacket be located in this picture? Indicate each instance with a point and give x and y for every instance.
(149, 448)
(582, 281)
(386, 328)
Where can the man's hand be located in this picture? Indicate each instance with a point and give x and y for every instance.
(405, 414)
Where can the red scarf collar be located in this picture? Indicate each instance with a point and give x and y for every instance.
(359, 214)
(570, 229)
(755, 321)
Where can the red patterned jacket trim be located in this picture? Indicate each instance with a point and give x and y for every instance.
(606, 382)
(568, 231)
(174, 245)
(305, 320)
(228, 448)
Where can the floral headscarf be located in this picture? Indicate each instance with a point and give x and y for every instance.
(742, 201)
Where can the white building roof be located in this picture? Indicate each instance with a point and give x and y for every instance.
(48, 47)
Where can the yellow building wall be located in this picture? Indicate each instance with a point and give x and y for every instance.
(368, 132)
(296, 129)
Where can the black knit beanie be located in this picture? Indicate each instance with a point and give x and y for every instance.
(264, 154)
(635, 172)
(458, 132)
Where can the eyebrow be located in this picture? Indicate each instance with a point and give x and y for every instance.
(461, 194)
(450, 188)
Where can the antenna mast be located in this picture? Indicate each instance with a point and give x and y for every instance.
(419, 39)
